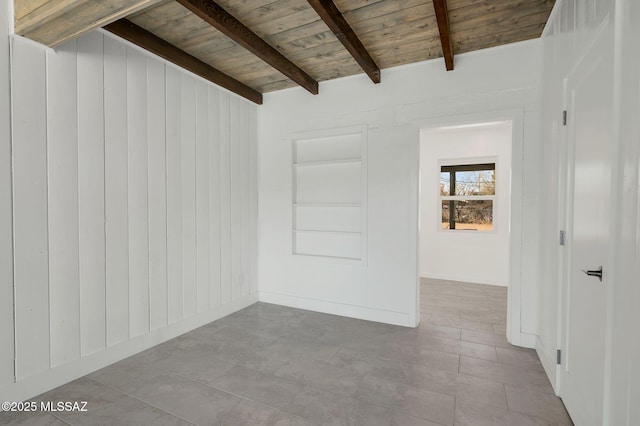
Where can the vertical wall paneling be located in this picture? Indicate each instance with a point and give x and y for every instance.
(189, 194)
(202, 196)
(91, 192)
(174, 194)
(253, 198)
(235, 174)
(117, 185)
(214, 195)
(31, 270)
(138, 193)
(116, 153)
(245, 255)
(157, 194)
(62, 166)
(6, 222)
(225, 201)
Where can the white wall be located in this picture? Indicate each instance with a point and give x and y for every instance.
(472, 256)
(624, 384)
(384, 289)
(571, 28)
(135, 206)
(6, 238)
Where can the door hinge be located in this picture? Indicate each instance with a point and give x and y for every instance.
(558, 357)
(564, 117)
(562, 238)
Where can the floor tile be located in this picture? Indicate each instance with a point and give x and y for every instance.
(323, 375)
(249, 413)
(456, 321)
(106, 406)
(500, 329)
(505, 373)
(424, 377)
(518, 356)
(489, 338)
(475, 414)
(538, 404)
(30, 419)
(174, 394)
(400, 419)
(326, 408)
(410, 400)
(439, 330)
(195, 365)
(257, 386)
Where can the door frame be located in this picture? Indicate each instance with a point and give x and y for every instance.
(516, 226)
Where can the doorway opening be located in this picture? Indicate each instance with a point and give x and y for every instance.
(464, 217)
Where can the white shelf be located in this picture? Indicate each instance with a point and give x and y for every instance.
(324, 256)
(327, 162)
(327, 205)
(318, 231)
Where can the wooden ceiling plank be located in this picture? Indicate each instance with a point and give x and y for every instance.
(215, 15)
(330, 14)
(442, 16)
(469, 42)
(54, 22)
(154, 44)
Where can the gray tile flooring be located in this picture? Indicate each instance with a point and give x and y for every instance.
(272, 365)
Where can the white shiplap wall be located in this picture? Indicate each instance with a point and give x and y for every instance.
(135, 205)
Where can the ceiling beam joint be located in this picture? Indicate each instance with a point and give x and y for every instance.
(223, 21)
(331, 15)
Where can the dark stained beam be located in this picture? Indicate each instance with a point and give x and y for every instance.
(442, 15)
(154, 44)
(331, 16)
(220, 19)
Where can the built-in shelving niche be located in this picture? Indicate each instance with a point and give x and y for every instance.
(330, 195)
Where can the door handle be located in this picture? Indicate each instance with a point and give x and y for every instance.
(594, 273)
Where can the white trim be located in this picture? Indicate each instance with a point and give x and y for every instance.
(53, 378)
(516, 116)
(336, 308)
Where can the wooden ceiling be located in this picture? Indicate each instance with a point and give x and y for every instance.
(390, 33)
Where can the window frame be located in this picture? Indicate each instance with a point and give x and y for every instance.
(466, 165)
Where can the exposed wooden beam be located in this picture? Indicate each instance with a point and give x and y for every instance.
(442, 15)
(223, 21)
(154, 44)
(330, 14)
(52, 22)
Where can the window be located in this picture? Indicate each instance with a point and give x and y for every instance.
(467, 195)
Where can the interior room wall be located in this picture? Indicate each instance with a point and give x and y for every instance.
(384, 288)
(472, 256)
(135, 206)
(6, 238)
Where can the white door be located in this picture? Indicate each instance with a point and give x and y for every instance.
(589, 91)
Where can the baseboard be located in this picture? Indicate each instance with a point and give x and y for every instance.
(50, 379)
(335, 308)
(462, 278)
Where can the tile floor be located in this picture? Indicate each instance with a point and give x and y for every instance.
(272, 365)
